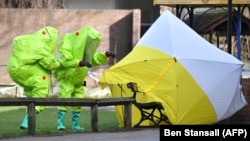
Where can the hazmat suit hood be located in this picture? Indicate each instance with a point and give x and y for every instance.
(79, 45)
(75, 47)
(35, 50)
(48, 35)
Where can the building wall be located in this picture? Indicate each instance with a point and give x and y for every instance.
(89, 4)
(149, 12)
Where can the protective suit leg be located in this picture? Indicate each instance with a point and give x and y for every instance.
(60, 120)
(40, 91)
(75, 121)
(24, 124)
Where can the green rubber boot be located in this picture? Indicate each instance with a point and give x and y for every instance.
(24, 124)
(75, 122)
(60, 120)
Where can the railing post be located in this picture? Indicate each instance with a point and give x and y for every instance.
(127, 115)
(94, 117)
(31, 118)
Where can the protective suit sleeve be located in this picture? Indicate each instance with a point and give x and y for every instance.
(99, 58)
(48, 61)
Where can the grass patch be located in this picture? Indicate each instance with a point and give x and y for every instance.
(46, 121)
(8, 108)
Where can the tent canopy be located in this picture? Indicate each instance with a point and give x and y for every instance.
(196, 82)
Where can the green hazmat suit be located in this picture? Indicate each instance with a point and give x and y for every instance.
(31, 61)
(73, 48)
(76, 47)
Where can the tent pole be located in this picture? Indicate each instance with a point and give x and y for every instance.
(238, 32)
(229, 27)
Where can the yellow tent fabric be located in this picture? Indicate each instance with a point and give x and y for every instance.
(159, 83)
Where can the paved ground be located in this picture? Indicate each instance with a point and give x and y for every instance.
(145, 134)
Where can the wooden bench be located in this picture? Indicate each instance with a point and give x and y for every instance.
(93, 103)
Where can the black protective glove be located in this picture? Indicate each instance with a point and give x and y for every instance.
(110, 54)
(84, 64)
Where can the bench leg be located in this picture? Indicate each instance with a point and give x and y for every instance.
(31, 119)
(94, 117)
(127, 115)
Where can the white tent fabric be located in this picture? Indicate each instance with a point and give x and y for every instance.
(196, 82)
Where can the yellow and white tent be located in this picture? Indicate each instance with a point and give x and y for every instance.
(196, 82)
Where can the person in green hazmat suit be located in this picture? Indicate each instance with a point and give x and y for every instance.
(30, 63)
(77, 53)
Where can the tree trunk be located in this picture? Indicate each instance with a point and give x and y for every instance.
(51, 4)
